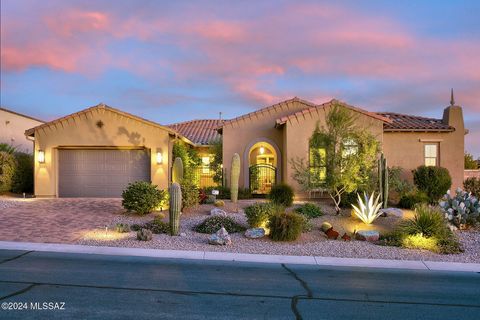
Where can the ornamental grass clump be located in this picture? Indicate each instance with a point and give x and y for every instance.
(286, 226)
(368, 209)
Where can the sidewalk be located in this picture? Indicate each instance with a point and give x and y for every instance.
(243, 257)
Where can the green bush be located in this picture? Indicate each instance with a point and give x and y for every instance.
(7, 170)
(309, 210)
(434, 181)
(411, 199)
(281, 194)
(213, 224)
(22, 180)
(143, 197)
(472, 185)
(157, 226)
(144, 235)
(349, 198)
(428, 230)
(258, 214)
(190, 194)
(286, 226)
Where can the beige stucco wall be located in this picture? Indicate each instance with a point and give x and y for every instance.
(239, 135)
(406, 149)
(12, 130)
(298, 132)
(82, 131)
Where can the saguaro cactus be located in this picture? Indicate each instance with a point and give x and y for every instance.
(234, 176)
(177, 170)
(175, 207)
(383, 180)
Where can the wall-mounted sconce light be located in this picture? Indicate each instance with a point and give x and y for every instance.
(159, 157)
(262, 150)
(41, 156)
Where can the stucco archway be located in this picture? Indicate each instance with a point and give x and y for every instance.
(246, 159)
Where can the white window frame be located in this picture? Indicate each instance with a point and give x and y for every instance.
(429, 157)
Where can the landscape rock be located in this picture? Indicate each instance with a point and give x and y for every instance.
(392, 212)
(221, 238)
(183, 234)
(332, 234)
(326, 226)
(218, 212)
(346, 237)
(367, 235)
(255, 233)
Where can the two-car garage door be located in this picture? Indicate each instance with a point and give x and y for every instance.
(100, 173)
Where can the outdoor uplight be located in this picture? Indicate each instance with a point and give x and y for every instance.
(159, 157)
(41, 156)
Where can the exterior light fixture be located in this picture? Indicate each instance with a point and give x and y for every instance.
(159, 157)
(262, 150)
(41, 156)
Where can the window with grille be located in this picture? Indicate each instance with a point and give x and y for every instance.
(431, 155)
(317, 166)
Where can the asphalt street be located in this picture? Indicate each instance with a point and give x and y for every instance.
(43, 285)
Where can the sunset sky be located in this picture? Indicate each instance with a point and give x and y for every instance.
(171, 61)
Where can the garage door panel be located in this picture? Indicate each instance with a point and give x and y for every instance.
(100, 173)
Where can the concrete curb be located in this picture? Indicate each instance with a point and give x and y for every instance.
(243, 257)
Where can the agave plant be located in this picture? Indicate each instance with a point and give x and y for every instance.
(367, 210)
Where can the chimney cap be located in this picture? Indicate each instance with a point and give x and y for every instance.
(452, 99)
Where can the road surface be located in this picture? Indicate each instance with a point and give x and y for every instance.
(81, 286)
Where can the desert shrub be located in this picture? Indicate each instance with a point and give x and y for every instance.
(472, 185)
(461, 209)
(144, 235)
(428, 230)
(22, 180)
(7, 170)
(143, 197)
(122, 227)
(258, 214)
(349, 198)
(412, 198)
(309, 210)
(213, 224)
(286, 226)
(281, 194)
(393, 238)
(434, 181)
(189, 194)
(157, 226)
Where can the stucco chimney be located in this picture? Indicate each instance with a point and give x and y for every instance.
(453, 115)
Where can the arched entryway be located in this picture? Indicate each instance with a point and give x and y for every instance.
(262, 166)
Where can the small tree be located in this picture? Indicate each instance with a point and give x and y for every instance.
(350, 156)
(470, 163)
(190, 159)
(216, 148)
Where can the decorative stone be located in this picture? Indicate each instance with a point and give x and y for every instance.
(218, 212)
(183, 234)
(392, 212)
(326, 226)
(367, 235)
(332, 234)
(255, 233)
(220, 238)
(346, 237)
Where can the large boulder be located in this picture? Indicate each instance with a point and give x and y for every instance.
(392, 212)
(218, 212)
(255, 233)
(367, 235)
(221, 238)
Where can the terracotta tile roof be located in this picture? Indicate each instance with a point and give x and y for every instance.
(273, 107)
(104, 107)
(200, 132)
(315, 108)
(405, 122)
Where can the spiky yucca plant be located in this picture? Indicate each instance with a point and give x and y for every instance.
(368, 210)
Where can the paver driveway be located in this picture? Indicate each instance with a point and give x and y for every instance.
(54, 220)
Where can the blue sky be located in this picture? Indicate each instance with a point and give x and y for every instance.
(169, 62)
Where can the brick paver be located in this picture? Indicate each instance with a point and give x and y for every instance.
(55, 220)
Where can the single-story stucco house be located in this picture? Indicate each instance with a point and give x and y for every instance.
(98, 151)
(12, 129)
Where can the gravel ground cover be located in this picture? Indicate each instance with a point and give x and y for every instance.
(310, 243)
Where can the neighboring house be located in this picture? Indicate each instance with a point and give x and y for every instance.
(12, 129)
(97, 151)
